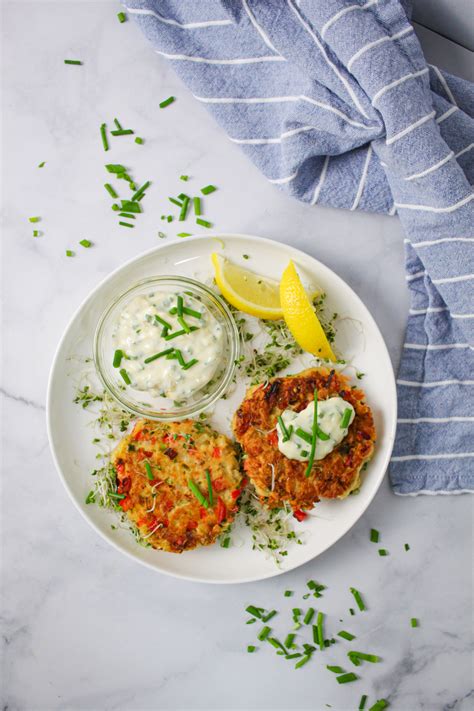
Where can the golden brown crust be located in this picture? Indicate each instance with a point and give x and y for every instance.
(335, 475)
(164, 509)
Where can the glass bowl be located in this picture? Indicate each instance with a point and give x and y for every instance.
(142, 402)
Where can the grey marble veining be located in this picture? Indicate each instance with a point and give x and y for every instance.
(83, 627)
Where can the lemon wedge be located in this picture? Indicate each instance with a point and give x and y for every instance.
(247, 291)
(300, 316)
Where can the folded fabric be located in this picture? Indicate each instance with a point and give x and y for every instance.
(334, 102)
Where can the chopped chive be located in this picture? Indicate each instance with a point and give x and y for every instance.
(203, 223)
(255, 611)
(121, 17)
(116, 207)
(179, 305)
(293, 656)
(251, 648)
(296, 612)
(414, 622)
(362, 656)
(118, 355)
(308, 648)
(72, 61)
(136, 196)
(126, 224)
(362, 702)
(197, 493)
(34, 219)
(407, 547)
(85, 243)
(42, 164)
(150, 359)
(190, 364)
(383, 551)
(139, 140)
(70, 253)
(117, 123)
(122, 132)
(36, 233)
(175, 202)
(166, 102)
(358, 599)
(169, 218)
(313, 444)
(302, 661)
(184, 209)
(191, 312)
(184, 234)
(269, 615)
(289, 640)
(161, 235)
(288, 593)
(119, 497)
(351, 610)
(128, 215)
(183, 196)
(379, 705)
(110, 190)
(345, 678)
(184, 178)
(170, 336)
(251, 621)
(335, 670)
(345, 418)
(246, 256)
(116, 168)
(197, 206)
(209, 487)
(346, 635)
(264, 632)
(319, 623)
(103, 135)
(130, 206)
(302, 434)
(284, 429)
(208, 189)
(374, 535)
(162, 321)
(321, 435)
(125, 376)
(179, 357)
(90, 499)
(315, 634)
(149, 473)
(309, 616)
(183, 324)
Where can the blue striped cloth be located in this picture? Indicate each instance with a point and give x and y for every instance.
(334, 102)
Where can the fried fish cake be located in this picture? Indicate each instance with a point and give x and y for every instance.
(279, 480)
(157, 466)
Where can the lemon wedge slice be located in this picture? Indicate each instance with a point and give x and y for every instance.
(300, 316)
(247, 291)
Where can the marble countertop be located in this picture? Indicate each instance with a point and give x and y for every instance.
(83, 626)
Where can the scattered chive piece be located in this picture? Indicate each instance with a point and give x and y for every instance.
(309, 616)
(169, 218)
(179, 305)
(320, 630)
(225, 542)
(41, 165)
(116, 207)
(72, 61)
(263, 634)
(126, 224)
(118, 355)
(166, 102)
(34, 219)
(364, 657)
(313, 445)
(128, 215)
(383, 551)
(288, 593)
(90, 499)
(351, 611)
(251, 621)
(85, 243)
(130, 206)
(315, 634)
(139, 140)
(184, 177)
(125, 376)
(117, 123)
(122, 132)
(414, 622)
(407, 547)
(116, 168)
(136, 196)
(362, 702)
(345, 418)
(374, 535)
(335, 670)
(150, 359)
(293, 656)
(269, 616)
(184, 209)
(161, 235)
(208, 189)
(302, 661)
(203, 223)
(175, 202)
(197, 493)
(121, 17)
(255, 611)
(103, 135)
(149, 473)
(379, 705)
(36, 233)
(209, 487)
(69, 253)
(197, 206)
(183, 196)
(179, 357)
(251, 648)
(345, 678)
(346, 635)
(110, 190)
(184, 234)
(162, 321)
(289, 640)
(358, 599)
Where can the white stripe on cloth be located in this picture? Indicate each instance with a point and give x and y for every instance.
(442, 240)
(434, 384)
(410, 128)
(184, 26)
(434, 167)
(343, 12)
(321, 180)
(278, 139)
(397, 82)
(433, 420)
(376, 43)
(429, 310)
(430, 208)
(416, 275)
(282, 181)
(452, 280)
(462, 315)
(436, 492)
(436, 346)
(336, 71)
(207, 60)
(447, 114)
(444, 84)
(464, 150)
(444, 455)
(363, 178)
(258, 28)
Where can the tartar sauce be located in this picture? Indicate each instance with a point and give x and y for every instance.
(330, 417)
(141, 332)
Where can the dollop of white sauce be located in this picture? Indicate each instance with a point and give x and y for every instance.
(329, 419)
(139, 335)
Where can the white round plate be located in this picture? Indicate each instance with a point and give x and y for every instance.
(358, 338)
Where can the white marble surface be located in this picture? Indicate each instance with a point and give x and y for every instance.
(83, 626)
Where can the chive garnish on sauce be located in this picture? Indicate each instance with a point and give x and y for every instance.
(284, 429)
(313, 444)
(150, 359)
(118, 355)
(125, 376)
(345, 418)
